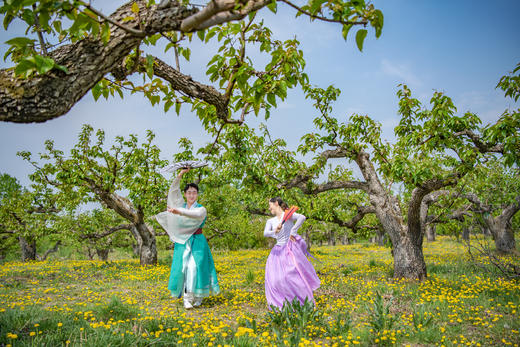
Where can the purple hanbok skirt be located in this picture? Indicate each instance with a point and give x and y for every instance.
(289, 274)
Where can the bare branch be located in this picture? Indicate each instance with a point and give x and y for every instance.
(304, 182)
(220, 11)
(43, 45)
(325, 19)
(192, 88)
(50, 250)
(352, 223)
(481, 145)
(108, 232)
(219, 233)
(132, 31)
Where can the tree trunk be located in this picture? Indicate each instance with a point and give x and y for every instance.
(430, 233)
(28, 249)
(380, 236)
(90, 253)
(103, 253)
(503, 235)
(146, 243)
(409, 260)
(406, 239)
(332, 238)
(465, 233)
(308, 238)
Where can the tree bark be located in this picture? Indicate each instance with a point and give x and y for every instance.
(44, 97)
(146, 243)
(332, 238)
(90, 253)
(499, 226)
(409, 260)
(102, 253)
(465, 233)
(28, 249)
(54, 249)
(503, 235)
(430, 232)
(380, 236)
(308, 238)
(406, 238)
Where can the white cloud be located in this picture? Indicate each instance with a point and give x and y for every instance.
(401, 71)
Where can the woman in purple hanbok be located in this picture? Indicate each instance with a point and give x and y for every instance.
(288, 272)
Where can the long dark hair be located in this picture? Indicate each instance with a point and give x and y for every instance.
(280, 202)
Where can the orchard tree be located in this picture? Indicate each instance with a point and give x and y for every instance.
(76, 49)
(123, 178)
(493, 187)
(494, 192)
(97, 231)
(27, 216)
(257, 164)
(434, 149)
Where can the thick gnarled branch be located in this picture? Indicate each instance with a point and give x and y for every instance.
(482, 146)
(304, 183)
(110, 231)
(44, 97)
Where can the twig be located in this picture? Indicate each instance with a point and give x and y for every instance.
(137, 33)
(325, 19)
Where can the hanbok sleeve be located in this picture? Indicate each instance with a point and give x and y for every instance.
(269, 230)
(178, 227)
(175, 198)
(195, 213)
(298, 220)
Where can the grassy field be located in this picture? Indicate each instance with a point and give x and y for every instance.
(94, 303)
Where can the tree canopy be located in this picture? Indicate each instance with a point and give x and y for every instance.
(78, 49)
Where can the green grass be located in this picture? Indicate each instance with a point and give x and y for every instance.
(95, 303)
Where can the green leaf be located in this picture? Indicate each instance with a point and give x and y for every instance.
(105, 33)
(271, 99)
(315, 5)
(167, 105)
(96, 91)
(25, 67)
(272, 6)
(43, 64)
(20, 42)
(345, 30)
(135, 8)
(149, 65)
(360, 37)
(186, 52)
(7, 20)
(379, 23)
(200, 34)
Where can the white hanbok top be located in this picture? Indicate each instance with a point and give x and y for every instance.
(181, 227)
(289, 228)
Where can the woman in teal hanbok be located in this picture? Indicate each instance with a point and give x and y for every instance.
(193, 271)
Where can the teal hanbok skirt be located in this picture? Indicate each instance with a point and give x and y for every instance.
(193, 269)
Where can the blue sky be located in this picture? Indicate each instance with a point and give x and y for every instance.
(458, 47)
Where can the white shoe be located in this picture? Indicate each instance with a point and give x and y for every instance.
(188, 305)
(197, 302)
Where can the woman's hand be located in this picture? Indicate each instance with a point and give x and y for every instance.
(173, 210)
(292, 238)
(183, 171)
(278, 228)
